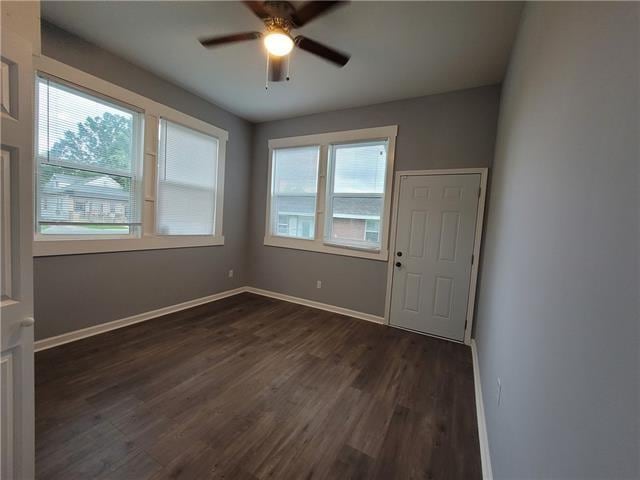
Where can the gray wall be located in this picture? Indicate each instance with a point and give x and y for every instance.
(440, 131)
(451, 130)
(558, 305)
(102, 287)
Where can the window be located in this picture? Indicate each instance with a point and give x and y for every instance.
(117, 171)
(88, 158)
(372, 231)
(331, 192)
(78, 206)
(355, 194)
(295, 226)
(187, 171)
(294, 192)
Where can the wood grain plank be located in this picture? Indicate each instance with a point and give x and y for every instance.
(253, 388)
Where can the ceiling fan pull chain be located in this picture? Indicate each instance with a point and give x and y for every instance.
(288, 64)
(266, 80)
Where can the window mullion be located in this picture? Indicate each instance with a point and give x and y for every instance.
(150, 177)
(321, 205)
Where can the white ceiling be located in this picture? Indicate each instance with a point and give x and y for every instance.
(399, 50)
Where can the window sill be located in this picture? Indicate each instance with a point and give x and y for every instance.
(320, 247)
(49, 247)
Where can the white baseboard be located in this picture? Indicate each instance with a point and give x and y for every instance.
(123, 322)
(485, 456)
(320, 306)
(143, 317)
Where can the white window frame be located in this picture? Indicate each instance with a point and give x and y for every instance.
(146, 238)
(325, 140)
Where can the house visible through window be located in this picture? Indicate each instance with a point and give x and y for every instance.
(355, 194)
(295, 190)
(295, 225)
(372, 231)
(89, 163)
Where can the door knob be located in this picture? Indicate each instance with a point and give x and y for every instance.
(27, 322)
(398, 264)
(399, 254)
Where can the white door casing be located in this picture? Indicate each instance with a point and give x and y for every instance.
(16, 235)
(436, 240)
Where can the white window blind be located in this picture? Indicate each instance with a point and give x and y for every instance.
(294, 191)
(89, 165)
(187, 178)
(355, 194)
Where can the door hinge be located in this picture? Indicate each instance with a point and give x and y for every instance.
(473, 256)
(479, 192)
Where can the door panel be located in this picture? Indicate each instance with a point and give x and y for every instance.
(6, 405)
(16, 234)
(434, 245)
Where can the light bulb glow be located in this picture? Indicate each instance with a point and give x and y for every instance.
(278, 43)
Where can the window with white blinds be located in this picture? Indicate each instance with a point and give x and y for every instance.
(294, 192)
(89, 168)
(355, 194)
(330, 192)
(187, 179)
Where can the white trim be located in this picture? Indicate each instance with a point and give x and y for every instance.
(124, 322)
(146, 242)
(375, 133)
(483, 172)
(311, 245)
(151, 112)
(51, 342)
(324, 141)
(485, 454)
(320, 306)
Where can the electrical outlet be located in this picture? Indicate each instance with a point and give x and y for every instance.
(230, 273)
(319, 284)
(499, 394)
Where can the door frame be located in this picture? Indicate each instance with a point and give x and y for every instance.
(395, 204)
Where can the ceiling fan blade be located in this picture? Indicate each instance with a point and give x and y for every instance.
(259, 9)
(311, 10)
(224, 39)
(277, 68)
(321, 50)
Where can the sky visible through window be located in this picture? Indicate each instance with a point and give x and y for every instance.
(61, 110)
(360, 168)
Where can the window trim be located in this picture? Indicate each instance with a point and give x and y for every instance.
(325, 140)
(152, 111)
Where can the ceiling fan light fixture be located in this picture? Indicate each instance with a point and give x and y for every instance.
(278, 43)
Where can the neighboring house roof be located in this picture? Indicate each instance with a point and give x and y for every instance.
(347, 207)
(98, 186)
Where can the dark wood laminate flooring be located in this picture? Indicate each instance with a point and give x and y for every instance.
(252, 388)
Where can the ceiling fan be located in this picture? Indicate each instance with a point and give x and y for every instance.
(280, 18)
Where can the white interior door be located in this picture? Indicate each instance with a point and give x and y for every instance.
(16, 279)
(434, 244)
